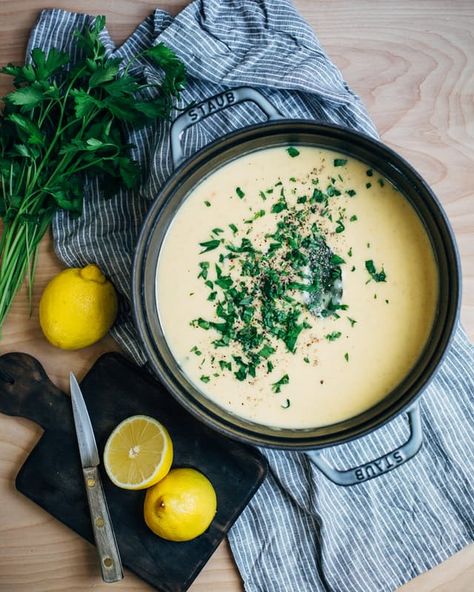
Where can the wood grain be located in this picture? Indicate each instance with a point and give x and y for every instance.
(413, 66)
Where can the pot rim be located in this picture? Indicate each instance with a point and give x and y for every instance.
(228, 426)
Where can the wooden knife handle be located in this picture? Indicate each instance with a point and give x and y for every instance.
(109, 556)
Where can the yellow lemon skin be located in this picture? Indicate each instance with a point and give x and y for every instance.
(181, 506)
(77, 307)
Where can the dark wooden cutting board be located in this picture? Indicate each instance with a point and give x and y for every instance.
(113, 390)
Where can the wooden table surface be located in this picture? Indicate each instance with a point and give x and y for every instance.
(412, 63)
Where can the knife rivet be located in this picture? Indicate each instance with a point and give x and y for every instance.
(99, 522)
(90, 482)
(108, 562)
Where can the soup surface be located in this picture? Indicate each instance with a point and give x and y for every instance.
(296, 287)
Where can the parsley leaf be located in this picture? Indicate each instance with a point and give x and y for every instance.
(377, 276)
(333, 336)
(204, 265)
(27, 97)
(210, 245)
(292, 151)
(276, 386)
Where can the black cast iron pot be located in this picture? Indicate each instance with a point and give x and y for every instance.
(281, 132)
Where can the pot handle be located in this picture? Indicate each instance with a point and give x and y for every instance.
(219, 102)
(381, 465)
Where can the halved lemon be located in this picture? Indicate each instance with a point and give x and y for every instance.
(138, 453)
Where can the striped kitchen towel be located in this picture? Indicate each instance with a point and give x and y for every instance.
(300, 533)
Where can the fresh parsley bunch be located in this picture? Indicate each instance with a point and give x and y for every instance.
(64, 121)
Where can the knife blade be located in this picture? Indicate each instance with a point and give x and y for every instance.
(104, 536)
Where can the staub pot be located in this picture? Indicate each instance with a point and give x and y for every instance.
(281, 132)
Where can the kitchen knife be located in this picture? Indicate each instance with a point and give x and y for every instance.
(109, 556)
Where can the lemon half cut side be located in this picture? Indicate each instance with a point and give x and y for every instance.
(138, 453)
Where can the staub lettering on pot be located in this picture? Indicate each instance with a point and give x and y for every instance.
(379, 466)
(212, 105)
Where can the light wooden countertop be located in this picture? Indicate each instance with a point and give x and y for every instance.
(412, 63)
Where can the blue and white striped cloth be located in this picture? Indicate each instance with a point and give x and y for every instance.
(300, 533)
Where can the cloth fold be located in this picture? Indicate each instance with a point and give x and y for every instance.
(300, 532)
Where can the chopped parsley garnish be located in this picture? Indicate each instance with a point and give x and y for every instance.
(369, 172)
(351, 192)
(202, 324)
(376, 276)
(225, 365)
(349, 252)
(260, 292)
(204, 265)
(381, 182)
(286, 405)
(258, 214)
(353, 218)
(302, 199)
(346, 357)
(210, 245)
(340, 226)
(205, 379)
(262, 195)
(368, 185)
(196, 351)
(351, 321)
(217, 231)
(293, 151)
(207, 204)
(306, 359)
(336, 260)
(340, 162)
(266, 351)
(280, 205)
(333, 336)
(239, 192)
(332, 191)
(276, 386)
(318, 196)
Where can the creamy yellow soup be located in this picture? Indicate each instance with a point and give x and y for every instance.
(240, 297)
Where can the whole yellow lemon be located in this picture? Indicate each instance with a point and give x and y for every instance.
(77, 307)
(181, 506)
